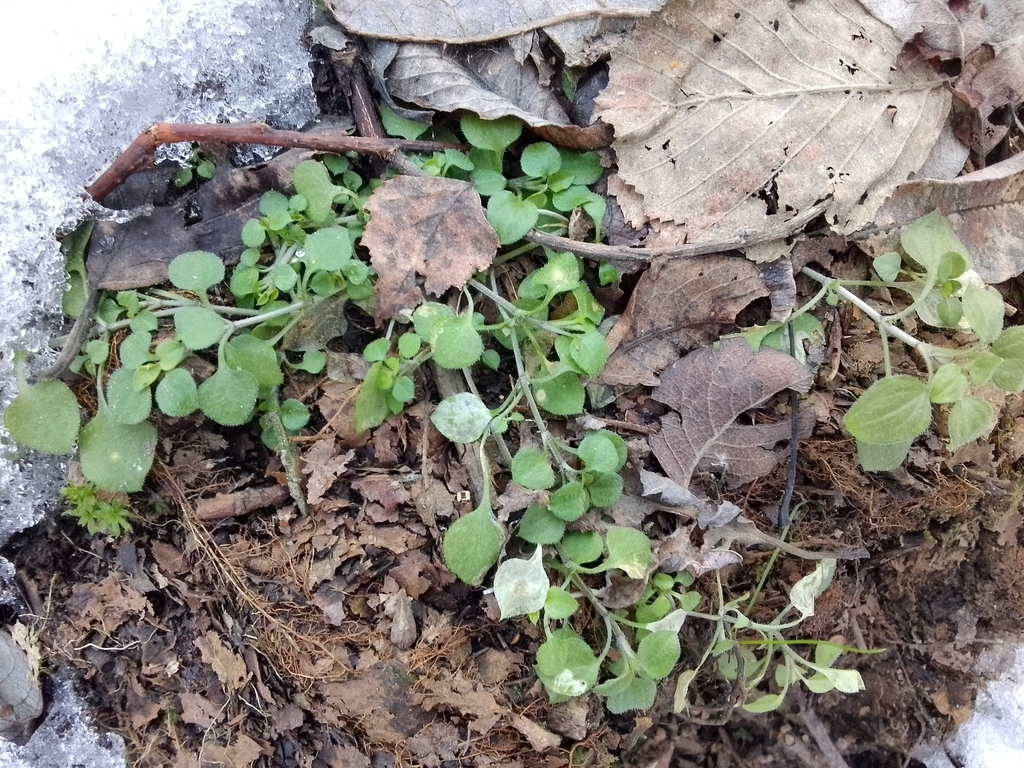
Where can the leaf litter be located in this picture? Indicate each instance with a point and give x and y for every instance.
(344, 629)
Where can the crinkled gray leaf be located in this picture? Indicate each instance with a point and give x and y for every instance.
(710, 388)
(472, 21)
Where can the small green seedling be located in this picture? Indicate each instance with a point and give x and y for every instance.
(98, 512)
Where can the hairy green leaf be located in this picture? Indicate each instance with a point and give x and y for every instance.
(559, 604)
(116, 457)
(949, 384)
(195, 271)
(539, 526)
(229, 396)
(983, 311)
(563, 395)
(629, 550)
(969, 419)
(658, 653)
(198, 327)
(472, 544)
(127, 405)
(45, 417)
(462, 418)
(639, 695)
(569, 502)
(177, 394)
(540, 160)
(328, 249)
(531, 468)
(892, 410)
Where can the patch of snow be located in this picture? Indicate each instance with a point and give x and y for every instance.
(81, 81)
(993, 736)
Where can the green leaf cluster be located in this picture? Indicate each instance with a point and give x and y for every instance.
(96, 513)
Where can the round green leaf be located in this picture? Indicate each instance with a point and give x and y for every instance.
(409, 345)
(969, 419)
(457, 343)
(462, 418)
(127, 404)
(539, 526)
(540, 160)
(892, 410)
(569, 502)
(487, 182)
(582, 547)
(589, 352)
(639, 695)
(116, 457)
(605, 489)
(562, 395)
(198, 327)
(887, 266)
(327, 249)
(1009, 376)
(176, 394)
(658, 653)
(1010, 343)
(882, 457)
(229, 396)
(472, 545)
(134, 350)
(294, 415)
(521, 586)
(599, 453)
(494, 135)
(585, 167)
(195, 271)
(949, 384)
(253, 234)
(531, 468)
(44, 417)
(312, 181)
(559, 604)
(511, 216)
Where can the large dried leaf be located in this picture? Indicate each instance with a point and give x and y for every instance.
(729, 116)
(678, 304)
(709, 389)
(427, 226)
(486, 80)
(472, 21)
(985, 209)
(932, 24)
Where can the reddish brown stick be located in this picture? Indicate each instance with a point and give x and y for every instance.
(140, 153)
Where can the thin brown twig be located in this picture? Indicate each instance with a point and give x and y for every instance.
(631, 257)
(140, 153)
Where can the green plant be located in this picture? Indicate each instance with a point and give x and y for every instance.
(97, 511)
(935, 270)
(199, 165)
(290, 288)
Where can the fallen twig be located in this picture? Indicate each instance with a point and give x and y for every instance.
(632, 257)
(140, 153)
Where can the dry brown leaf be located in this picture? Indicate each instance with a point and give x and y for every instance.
(472, 21)
(241, 753)
(678, 304)
(709, 389)
(226, 664)
(728, 118)
(427, 226)
(985, 209)
(199, 710)
(488, 81)
(933, 26)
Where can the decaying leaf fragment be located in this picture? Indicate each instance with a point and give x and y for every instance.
(985, 209)
(472, 21)
(709, 389)
(428, 226)
(727, 119)
(678, 304)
